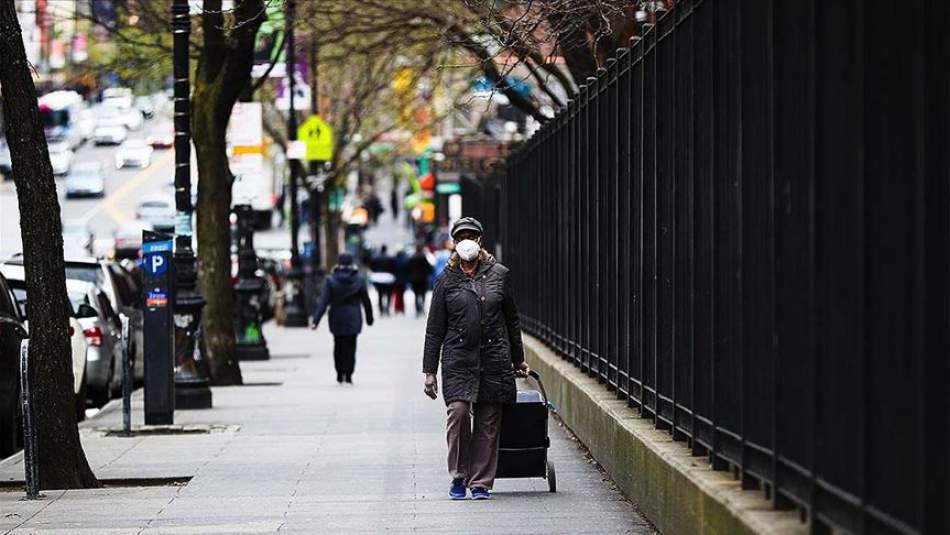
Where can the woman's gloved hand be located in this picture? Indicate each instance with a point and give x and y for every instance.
(431, 388)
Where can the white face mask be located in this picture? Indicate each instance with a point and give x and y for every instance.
(468, 249)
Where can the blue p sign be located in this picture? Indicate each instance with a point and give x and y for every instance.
(156, 264)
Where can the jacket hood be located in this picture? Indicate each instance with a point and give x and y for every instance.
(347, 279)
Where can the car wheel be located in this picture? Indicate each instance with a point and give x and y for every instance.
(81, 399)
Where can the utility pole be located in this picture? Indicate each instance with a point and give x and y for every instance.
(192, 387)
(315, 189)
(295, 309)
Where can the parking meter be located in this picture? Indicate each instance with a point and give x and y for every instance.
(159, 327)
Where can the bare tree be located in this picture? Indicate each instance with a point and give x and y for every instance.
(224, 70)
(61, 456)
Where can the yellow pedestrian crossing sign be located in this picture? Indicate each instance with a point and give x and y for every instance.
(318, 136)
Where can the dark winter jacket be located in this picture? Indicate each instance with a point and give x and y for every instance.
(401, 262)
(419, 269)
(473, 324)
(383, 264)
(344, 292)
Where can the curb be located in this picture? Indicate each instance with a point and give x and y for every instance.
(678, 493)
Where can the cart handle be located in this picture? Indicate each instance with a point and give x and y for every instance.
(537, 378)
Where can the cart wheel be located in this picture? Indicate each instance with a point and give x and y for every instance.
(551, 476)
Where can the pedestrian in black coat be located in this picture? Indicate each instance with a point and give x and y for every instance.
(344, 293)
(382, 274)
(418, 272)
(474, 329)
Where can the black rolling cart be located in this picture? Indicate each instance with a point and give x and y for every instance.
(524, 441)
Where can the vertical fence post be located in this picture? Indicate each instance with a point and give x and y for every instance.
(127, 378)
(31, 470)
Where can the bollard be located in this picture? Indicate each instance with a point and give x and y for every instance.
(29, 432)
(126, 378)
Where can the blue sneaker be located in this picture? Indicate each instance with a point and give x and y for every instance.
(480, 493)
(457, 490)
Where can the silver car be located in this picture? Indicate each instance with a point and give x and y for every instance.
(85, 180)
(158, 210)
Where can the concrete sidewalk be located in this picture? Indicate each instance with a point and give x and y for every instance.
(294, 452)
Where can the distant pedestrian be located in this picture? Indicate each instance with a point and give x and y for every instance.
(442, 257)
(382, 274)
(473, 326)
(418, 272)
(344, 293)
(394, 202)
(399, 288)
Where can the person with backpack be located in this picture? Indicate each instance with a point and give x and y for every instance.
(344, 293)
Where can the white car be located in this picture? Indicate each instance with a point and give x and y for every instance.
(157, 210)
(132, 118)
(109, 133)
(110, 126)
(133, 152)
(60, 157)
(78, 344)
(86, 124)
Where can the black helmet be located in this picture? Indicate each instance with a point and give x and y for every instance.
(466, 223)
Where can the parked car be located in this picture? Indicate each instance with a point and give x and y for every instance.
(122, 297)
(101, 326)
(16, 279)
(128, 239)
(12, 332)
(85, 180)
(60, 157)
(162, 136)
(158, 209)
(133, 152)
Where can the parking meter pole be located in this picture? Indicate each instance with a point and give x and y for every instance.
(192, 384)
(250, 343)
(158, 276)
(126, 379)
(295, 312)
(30, 453)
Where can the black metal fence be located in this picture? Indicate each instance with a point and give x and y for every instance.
(742, 227)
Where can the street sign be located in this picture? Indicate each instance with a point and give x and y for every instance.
(318, 135)
(447, 188)
(159, 327)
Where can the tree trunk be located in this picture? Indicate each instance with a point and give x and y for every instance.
(61, 459)
(214, 240)
(224, 70)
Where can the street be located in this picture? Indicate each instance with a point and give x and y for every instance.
(124, 188)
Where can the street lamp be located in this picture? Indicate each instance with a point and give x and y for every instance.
(192, 387)
(250, 343)
(295, 311)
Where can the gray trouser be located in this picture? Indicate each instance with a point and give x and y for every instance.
(473, 449)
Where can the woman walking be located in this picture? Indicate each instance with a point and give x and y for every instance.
(473, 326)
(344, 293)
